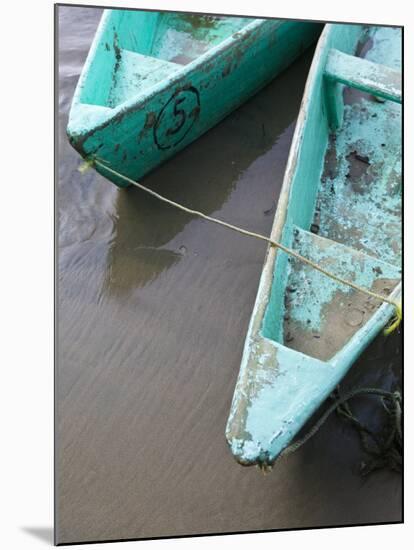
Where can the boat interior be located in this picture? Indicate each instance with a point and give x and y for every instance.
(138, 49)
(344, 210)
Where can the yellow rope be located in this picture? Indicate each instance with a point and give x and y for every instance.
(395, 322)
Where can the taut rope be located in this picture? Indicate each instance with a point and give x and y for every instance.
(395, 322)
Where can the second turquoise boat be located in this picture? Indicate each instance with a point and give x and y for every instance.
(340, 206)
(153, 81)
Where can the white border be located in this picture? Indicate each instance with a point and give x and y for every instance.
(27, 278)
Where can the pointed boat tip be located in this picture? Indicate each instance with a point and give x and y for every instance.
(250, 453)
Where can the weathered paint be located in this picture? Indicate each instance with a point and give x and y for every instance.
(341, 206)
(320, 316)
(364, 75)
(355, 72)
(153, 82)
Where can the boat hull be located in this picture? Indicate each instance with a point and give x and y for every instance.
(340, 206)
(148, 129)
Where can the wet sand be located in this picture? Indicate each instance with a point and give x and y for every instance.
(153, 308)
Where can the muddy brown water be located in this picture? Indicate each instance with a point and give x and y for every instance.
(153, 307)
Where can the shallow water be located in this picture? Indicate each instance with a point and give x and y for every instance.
(153, 308)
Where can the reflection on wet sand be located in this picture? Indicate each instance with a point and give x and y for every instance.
(145, 233)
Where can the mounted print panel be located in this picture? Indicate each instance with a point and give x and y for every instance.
(210, 381)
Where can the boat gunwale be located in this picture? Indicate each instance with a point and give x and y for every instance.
(266, 280)
(384, 310)
(268, 271)
(256, 342)
(138, 101)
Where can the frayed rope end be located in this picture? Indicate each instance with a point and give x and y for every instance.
(86, 165)
(395, 321)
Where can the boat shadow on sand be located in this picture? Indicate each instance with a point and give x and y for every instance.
(148, 234)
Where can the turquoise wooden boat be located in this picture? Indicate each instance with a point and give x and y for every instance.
(340, 206)
(154, 81)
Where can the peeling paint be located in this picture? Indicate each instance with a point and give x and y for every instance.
(156, 55)
(340, 205)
